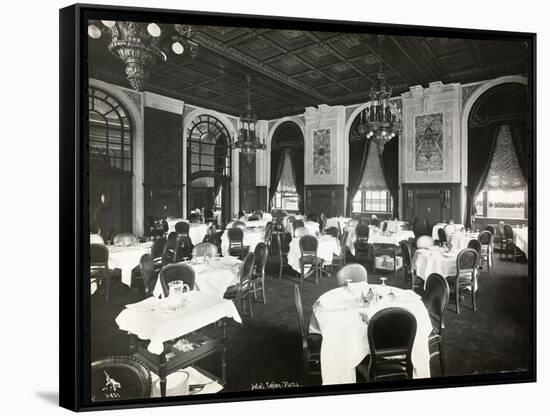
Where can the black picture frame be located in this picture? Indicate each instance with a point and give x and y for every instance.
(75, 339)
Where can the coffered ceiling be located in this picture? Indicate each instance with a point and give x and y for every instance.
(293, 69)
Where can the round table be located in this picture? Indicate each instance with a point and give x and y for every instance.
(126, 258)
(341, 317)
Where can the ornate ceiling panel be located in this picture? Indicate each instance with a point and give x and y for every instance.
(294, 69)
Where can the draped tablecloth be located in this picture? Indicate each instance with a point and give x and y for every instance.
(338, 222)
(146, 320)
(261, 223)
(251, 238)
(339, 316)
(436, 227)
(460, 240)
(328, 246)
(196, 231)
(212, 277)
(522, 240)
(377, 237)
(126, 258)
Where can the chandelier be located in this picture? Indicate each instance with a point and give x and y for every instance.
(142, 46)
(247, 140)
(381, 119)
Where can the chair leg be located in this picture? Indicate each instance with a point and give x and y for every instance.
(263, 289)
(301, 272)
(474, 298)
(441, 357)
(457, 298)
(108, 286)
(250, 306)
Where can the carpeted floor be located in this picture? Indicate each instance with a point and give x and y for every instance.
(267, 348)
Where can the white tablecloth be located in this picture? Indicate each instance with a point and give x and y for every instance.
(436, 227)
(213, 277)
(335, 221)
(251, 238)
(328, 246)
(126, 258)
(148, 323)
(251, 224)
(196, 231)
(460, 240)
(522, 240)
(337, 316)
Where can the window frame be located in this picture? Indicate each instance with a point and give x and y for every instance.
(364, 210)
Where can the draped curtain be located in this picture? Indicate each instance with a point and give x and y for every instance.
(389, 160)
(518, 129)
(277, 159)
(297, 162)
(481, 147)
(358, 153)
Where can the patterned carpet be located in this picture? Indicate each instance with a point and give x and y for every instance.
(266, 350)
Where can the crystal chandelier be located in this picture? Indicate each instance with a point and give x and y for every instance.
(381, 119)
(141, 46)
(247, 140)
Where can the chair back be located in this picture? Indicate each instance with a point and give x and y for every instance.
(235, 236)
(476, 245)
(300, 312)
(501, 225)
(169, 252)
(362, 231)
(178, 271)
(491, 229)
(99, 256)
(300, 232)
(333, 231)
(253, 218)
(391, 332)
(268, 233)
(239, 224)
(441, 235)
(424, 241)
(184, 248)
(407, 262)
(436, 298)
(205, 249)
(148, 273)
(352, 223)
(384, 226)
(290, 219)
(450, 229)
(298, 224)
(375, 222)
(182, 228)
(258, 213)
(127, 377)
(344, 239)
(158, 248)
(308, 245)
(485, 238)
(210, 236)
(246, 270)
(466, 263)
(508, 231)
(354, 271)
(125, 239)
(260, 259)
(208, 215)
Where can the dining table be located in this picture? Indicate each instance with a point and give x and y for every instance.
(197, 232)
(341, 316)
(212, 276)
(339, 222)
(251, 238)
(126, 258)
(436, 227)
(521, 239)
(377, 236)
(328, 246)
(461, 239)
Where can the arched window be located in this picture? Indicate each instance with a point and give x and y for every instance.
(208, 144)
(111, 131)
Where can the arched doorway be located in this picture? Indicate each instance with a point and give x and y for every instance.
(209, 167)
(286, 189)
(497, 155)
(111, 135)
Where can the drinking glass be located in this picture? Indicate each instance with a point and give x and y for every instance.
(175, 288)
(383, 280)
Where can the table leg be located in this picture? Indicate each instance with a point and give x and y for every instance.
(162, 374)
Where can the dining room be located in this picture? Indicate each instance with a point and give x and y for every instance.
(273, 208)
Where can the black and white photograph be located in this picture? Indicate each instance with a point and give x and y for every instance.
(296, 206)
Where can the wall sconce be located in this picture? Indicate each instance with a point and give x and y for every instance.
(447, 198)
(410, 198)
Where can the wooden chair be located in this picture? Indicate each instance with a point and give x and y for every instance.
(184, 248)
(257, 280)
(441, 235)
(311, 343)
(466, 276)
(205, 249)
(509, 243)
(391, 333)
(476, 245)
(308, 249)
(237, 248)
(333, 231)
(125, 239)
(169, 251)
(178, 271)
(241, 293)
(157, 250)
(436, 298)
(339, 261)
(486, 254)
(182, 228)
(99, 267)
(408, 271)
(120, 378)
(149, 274)
(501, 236)
(283, 240)
(362, 248)
(491, 229)
(354, 271)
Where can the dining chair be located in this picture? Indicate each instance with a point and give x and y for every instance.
(355, 272)
(509, 243)
(237, 248)
(486, 255)
(501, 236)
(125, 239)
(391, 333)
(466, 276)
(436, 298)
(441, 235)
(169, 251)
(148, 274)
(409, 273)
(298, 224)
(268, 233)
(240, 293)
(333, 231)
(182, 228)
(308, 249)
(311, 343)
(283, 246)
(99, 267)
(126, 376)
(361, 244)
(476, 245)
(239, 224)
(178, 271)
(157, 249)
(257, 280)
(253, 218)
(184, 248)
(491, 229)
(339, 260)
(205, 249)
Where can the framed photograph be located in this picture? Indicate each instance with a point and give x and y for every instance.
(259, 207)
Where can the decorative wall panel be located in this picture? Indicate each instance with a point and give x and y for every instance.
(429, 147)
(321, 152)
